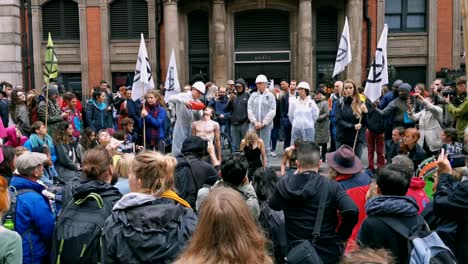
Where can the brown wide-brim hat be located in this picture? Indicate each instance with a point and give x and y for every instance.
(344, 161)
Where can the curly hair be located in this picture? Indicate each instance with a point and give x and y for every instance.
(61, 136)
(15, 101)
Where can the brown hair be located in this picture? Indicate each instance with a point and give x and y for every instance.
(124, 165)
(356, 104)
(413, 132)
(35, 126)
(95, 164)
(237, 238)
(127, 121)
(158, 96)
(155, 170)
(4, 196)
(461, 80)
(367, 255)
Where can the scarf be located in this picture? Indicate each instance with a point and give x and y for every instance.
(35, 141)
(101, 106)
(152, 133)
(392, 205)
(173, 196)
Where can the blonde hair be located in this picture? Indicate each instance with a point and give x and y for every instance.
(356, 104)
(237, 238)
(250, 138)
(124, 165)
(368, 255)
(155, 171)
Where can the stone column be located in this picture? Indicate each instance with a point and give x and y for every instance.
(36, 16)
(171, 33)
(10, 42)
(105, 25)
(305, 41)
(151, 42)
(432, 41)
(354, 13)
(457, 46)
(83, 49)
(219, 60)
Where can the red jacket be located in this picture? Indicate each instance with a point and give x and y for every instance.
(416, 190)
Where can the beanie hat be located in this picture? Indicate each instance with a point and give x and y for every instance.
(405, 87)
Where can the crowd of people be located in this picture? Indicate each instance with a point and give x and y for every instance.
(90, 182)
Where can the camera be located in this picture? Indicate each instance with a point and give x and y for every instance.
(450, 92)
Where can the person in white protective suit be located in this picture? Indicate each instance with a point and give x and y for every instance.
(185, 115)
(261, 109)
(303, 112)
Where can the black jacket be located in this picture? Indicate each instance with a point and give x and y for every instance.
(145, 229)
(451, 201)
(4, 113)
(298, 196)
(97, 118)
(345, 120)
(239, 106)
(375, 120)
(375, 233)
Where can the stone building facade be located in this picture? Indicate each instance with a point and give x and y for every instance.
(225, 39)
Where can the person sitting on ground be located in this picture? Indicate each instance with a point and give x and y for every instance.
(152, 224)
(208, 129)
(8, 164)
(392, 147)
(272, 222)
(449, 139)
(122, 170)
(50, 175)
(11, 250)
(289, 156)
(86, 142)
(411, 147)
(237, 238)
(298, 196)
(346, 168)
(39, 137)
(14, 137)
(234, 175)
(391, 203)
(192, 171)
(254, 150)
(85, 204)
(67, 165)
(128, 126)
(34, 217)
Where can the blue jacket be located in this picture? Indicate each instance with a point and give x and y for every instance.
(155, 122)
(53, 155)
(34, 221)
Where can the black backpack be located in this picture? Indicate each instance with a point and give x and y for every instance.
(78, 231)
(9, 218)
(272, 222)
(185, 182)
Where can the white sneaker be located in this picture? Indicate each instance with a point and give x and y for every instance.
(273, 154)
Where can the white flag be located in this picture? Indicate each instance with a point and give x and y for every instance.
(143, 80)
(343, 56)
(272, 85)
(172, 79)
(378, 72)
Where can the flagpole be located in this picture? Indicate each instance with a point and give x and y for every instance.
(357, 133)
(47, 105)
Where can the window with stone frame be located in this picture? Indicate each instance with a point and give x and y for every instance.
(406, 15)
(128, 18)
(61, 18)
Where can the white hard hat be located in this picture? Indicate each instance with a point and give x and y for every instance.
(303, 85)
(261, 79)
(200, 86)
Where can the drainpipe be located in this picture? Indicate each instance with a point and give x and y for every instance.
(24, 49)
(369, 31)
(30, 48)
(159, 14)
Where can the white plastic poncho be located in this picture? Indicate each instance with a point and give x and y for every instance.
(261, 108)
(184, 119)
(303, 113)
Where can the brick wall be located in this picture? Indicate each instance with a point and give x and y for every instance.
(372, 11)
(93, 23)
(444, 34)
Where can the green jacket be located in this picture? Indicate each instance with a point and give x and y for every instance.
(460, 114)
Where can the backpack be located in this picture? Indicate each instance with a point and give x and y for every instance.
(9, 218)
(424, 245)
(185, 182)
(78, 231)
(272, 222)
